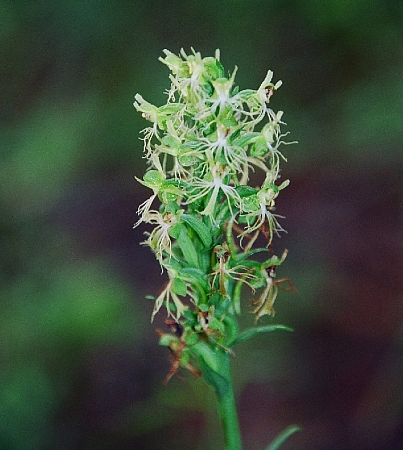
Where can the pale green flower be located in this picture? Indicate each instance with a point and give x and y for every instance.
(213, 183)
(169, 295)
(159, 239)
(144, 209)
(188, 80)
(258, 207)
(264, 304)
(221, 97)
(218, 148)
(154, 180)
(267, 88)
(255, 102)
(158, 116)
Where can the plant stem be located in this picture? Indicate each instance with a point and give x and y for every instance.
(228, 415)
(216, 367)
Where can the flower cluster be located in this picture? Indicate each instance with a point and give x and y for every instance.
(201, 148)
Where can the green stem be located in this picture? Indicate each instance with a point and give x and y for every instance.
(229, 418)
(215, 364)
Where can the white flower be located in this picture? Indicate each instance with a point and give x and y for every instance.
(144, 210)
(234, 156)
(159, 239)
(221, 96)
(267, 88)
(203, 187)
(166, 295)
(258, 208)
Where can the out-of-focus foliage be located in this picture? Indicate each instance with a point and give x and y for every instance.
(80, 366)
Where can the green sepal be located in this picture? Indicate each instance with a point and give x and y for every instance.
(173, 182)
(187, 155)
(213, 68)
(235, 91)
(234, 136)
(171, 207)
(252, 264)
(208, 87)
(191, 339)
(169, 192)
(220, 68)
(283, 436)
(216, 324)
(273, 261)
(228, 120)
(169, 145)
(153, 179)
(198, 327)
(200, 228)
(203, 308)
(259, 148)
(167, 339)
(252, 332)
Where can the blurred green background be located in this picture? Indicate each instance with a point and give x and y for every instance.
(80, 365)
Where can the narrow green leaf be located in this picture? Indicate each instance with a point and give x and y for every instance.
(283, 436)
(246, 191)
(187, 247)
(200, 228)
(236, 297)
(252, 332)
(231, 328)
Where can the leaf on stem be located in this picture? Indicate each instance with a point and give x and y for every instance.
(252, 332)
(200, 228)
(283, 436)
(188, 249)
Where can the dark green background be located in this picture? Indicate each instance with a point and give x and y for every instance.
(80, 367)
